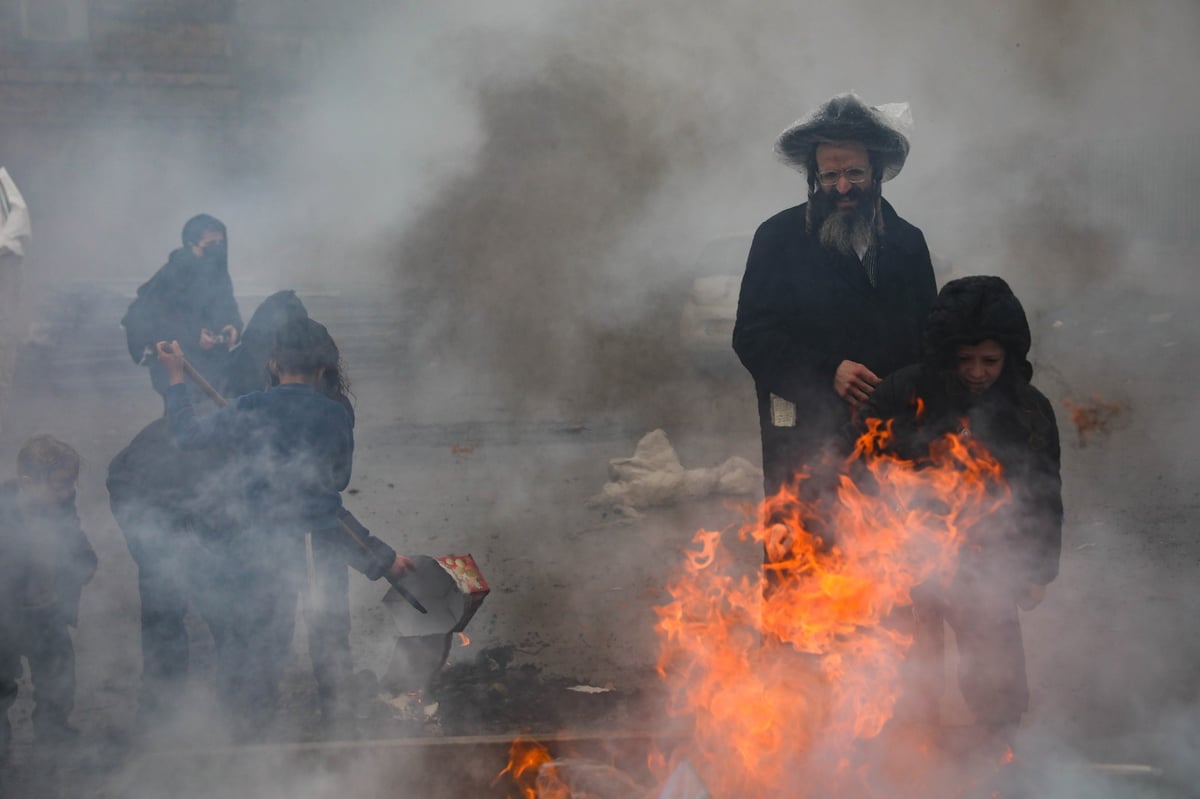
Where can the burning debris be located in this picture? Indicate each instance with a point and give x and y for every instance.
(1095, 417)
(534, 773)
(790, 689)
(526, 759)
(788, 679)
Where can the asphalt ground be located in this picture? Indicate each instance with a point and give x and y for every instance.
(1111, 652)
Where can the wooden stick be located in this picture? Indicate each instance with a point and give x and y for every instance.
(216, 397)
(190, 371)
(204, 385)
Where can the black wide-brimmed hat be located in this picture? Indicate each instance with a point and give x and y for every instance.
(884, 130)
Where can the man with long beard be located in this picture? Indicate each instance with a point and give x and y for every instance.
(836, 289)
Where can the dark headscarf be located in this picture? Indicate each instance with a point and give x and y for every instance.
(197, 226)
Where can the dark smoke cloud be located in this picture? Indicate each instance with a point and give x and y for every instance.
(600, 148)
(511, 263)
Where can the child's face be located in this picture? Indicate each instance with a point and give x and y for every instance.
(979, 365)
(53, 489)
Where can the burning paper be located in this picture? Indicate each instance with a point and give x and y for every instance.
(787, 688)
(790, 672)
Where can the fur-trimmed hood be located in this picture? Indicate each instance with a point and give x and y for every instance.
(971, 309)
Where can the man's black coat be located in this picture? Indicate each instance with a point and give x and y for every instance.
(803, 310)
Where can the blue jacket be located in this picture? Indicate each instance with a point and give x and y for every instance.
(294, 446)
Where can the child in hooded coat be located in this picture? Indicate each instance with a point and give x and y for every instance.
(974, 378)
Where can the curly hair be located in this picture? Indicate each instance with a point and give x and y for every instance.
(304, 346)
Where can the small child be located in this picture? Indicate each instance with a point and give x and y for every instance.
(974, 378)
(294, 447)
(45, 560)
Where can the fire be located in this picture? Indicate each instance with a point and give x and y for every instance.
(789, 672)
(530, 772)
(463, 640)
(1095, 417)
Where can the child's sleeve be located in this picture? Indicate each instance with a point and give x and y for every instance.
(77, 568)
(363, 551)
(200, 432)
(1045, 529)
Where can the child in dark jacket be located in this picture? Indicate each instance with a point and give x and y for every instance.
(294, 446)
(45, 560)
(974, 379)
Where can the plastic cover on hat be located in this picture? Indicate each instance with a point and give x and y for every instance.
(885, 130)
(899, 117)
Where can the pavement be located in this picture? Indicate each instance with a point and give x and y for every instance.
(1111, 652)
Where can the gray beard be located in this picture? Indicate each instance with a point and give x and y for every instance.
(846, 232)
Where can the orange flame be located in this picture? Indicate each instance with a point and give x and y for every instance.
(1095, 417)
(786, 686)
(463, 640)
(530, 773)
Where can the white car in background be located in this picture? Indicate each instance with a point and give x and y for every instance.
(710, 309)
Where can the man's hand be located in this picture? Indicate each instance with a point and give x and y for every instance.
(207, 339)
(171, 358)
(1031, 597)
(231, 335)
(399, 566)
(854, 382)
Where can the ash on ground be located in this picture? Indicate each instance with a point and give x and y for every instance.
(492, 694)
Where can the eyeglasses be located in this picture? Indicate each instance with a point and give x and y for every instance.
(854, 175)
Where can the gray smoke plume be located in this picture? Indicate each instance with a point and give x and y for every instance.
(530, 186)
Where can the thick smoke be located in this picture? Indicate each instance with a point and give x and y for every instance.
(531, 186)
